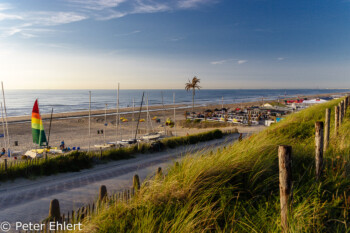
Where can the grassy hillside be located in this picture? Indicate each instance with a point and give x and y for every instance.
(237, 189)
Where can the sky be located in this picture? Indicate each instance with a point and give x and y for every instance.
(160, 44)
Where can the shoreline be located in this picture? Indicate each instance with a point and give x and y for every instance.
(73, 127)
(152, 108)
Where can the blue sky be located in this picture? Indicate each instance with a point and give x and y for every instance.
(92, 44)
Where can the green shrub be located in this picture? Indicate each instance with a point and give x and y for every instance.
(196, 121)
(77, 160)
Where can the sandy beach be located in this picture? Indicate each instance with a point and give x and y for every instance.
(73, 128)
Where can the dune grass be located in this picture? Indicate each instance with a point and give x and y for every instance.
(237, 190)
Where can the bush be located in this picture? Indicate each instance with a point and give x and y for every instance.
(78, 160)
(196, 121)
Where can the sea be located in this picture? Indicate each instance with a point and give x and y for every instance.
(20, 102)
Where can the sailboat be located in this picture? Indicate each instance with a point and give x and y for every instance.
(38, 133)
(153, 135)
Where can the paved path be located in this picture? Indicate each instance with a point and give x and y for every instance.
(28, 200)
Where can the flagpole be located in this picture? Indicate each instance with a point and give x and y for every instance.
(89, 120)
(7, 129)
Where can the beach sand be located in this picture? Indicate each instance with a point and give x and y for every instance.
(73, 128)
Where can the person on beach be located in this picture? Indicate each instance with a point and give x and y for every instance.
(3, 151)
(62, 145)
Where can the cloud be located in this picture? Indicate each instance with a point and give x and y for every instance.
(10, 32)
(51, 18)
(9, 16)
(27, 35)
(112, 9)
(151, 7)
(97, 4)
(218, 62)
(4, 6)
(240, 62)
(25, 31)
(128, 34)
(186, 4)
(175, 39)
(111, 15)
(26, 23)
(280, 58)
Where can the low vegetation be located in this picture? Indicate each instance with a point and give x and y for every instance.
(76, 161)
(276, 104)
(237, 189)
(203, 124)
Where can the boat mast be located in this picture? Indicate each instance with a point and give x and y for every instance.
(3, 125)
(7, 128)
(104, 133)
(48, 138)
(118, 115)
(147, 112)
(138, 120)
(40, 131)
(149, 116)
(222, 106)
(164, 115)
(174, 113)
(89, 119)
(132, 117)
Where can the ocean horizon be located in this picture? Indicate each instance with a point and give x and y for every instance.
(20, 102)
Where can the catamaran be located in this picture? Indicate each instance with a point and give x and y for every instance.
(150, 136)
(38, 133)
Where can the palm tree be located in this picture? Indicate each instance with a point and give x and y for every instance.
(193, 85)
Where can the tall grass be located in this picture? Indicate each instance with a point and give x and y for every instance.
(236, 189)
(76, 161)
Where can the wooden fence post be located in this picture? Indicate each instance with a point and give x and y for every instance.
(103, 193)
(344, 106)
(340, 114)
(326, 129)
(319, 148)
(5, 161)
(336, 119)
(285, 178)
(136, 183)
(54, 211)
(159, 172)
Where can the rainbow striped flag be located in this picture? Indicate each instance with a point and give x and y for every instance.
(38, 132)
